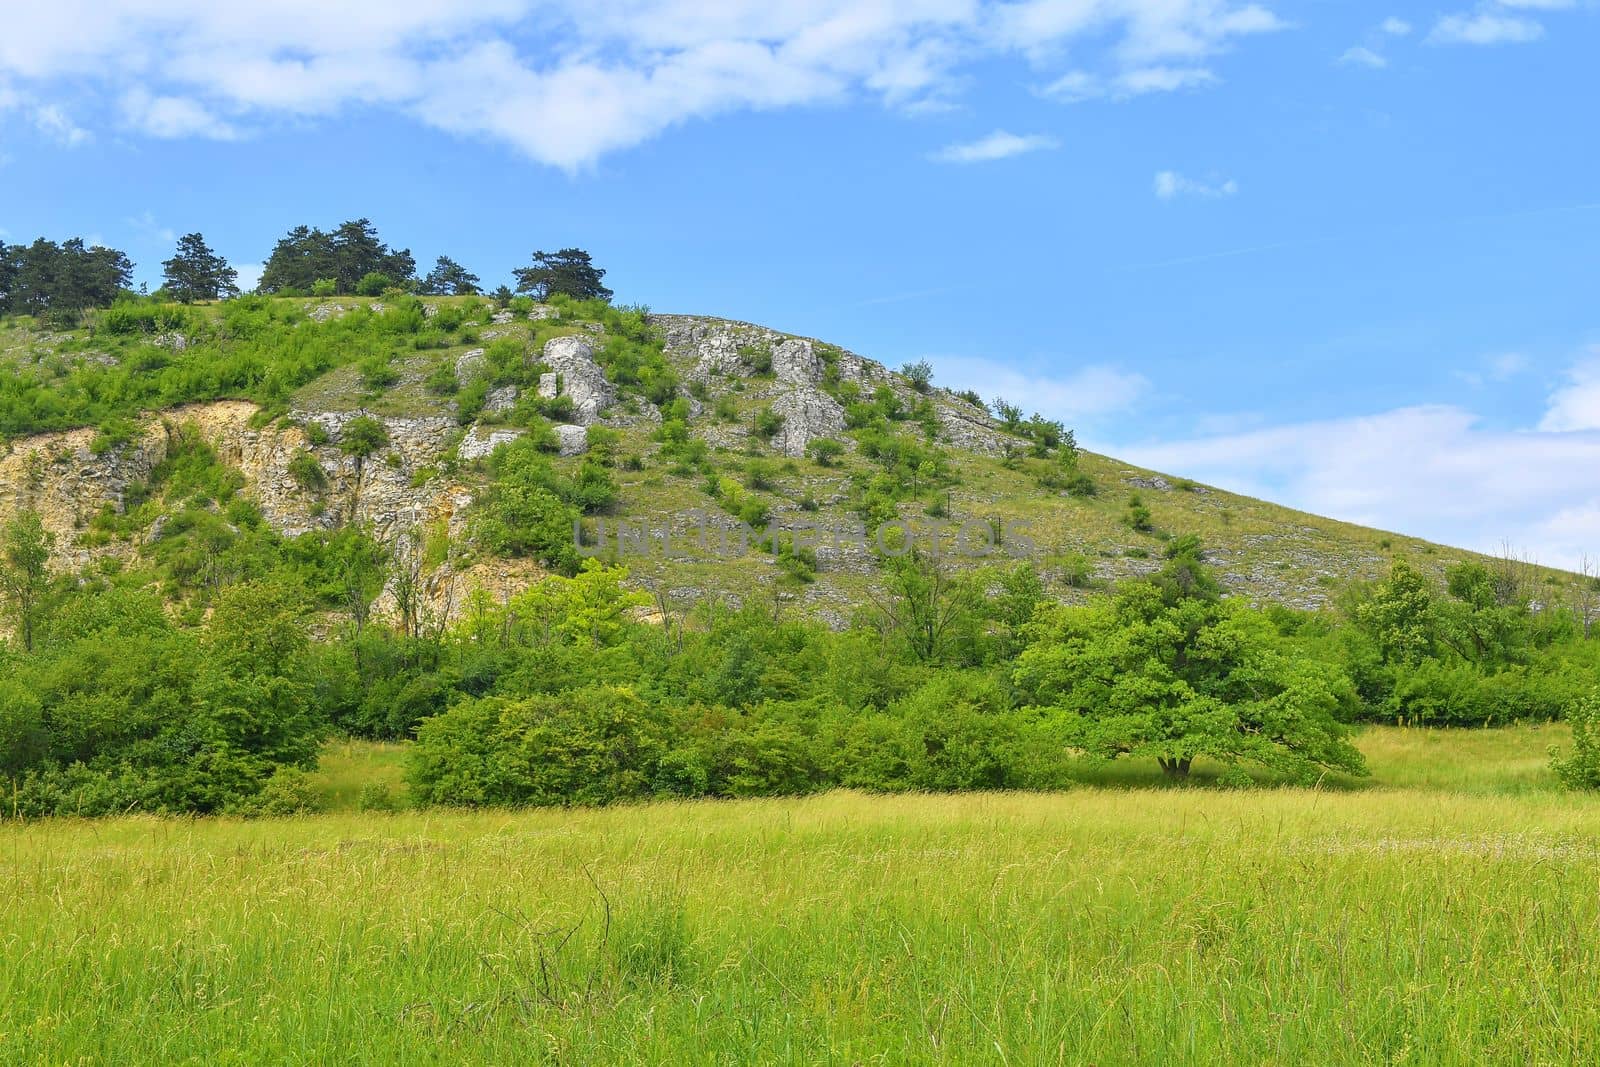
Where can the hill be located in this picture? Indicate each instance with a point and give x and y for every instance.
(686, 425)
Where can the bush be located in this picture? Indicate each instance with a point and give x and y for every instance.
(374, 284)
(919, 374)
(288, 792)
(362, 436)
(587, 746)
(1137, 517)
(307, 473)
(1580, 768)
(376, 796)
(825, 450)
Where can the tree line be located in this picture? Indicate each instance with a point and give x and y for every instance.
(206, 677)
(60, 281)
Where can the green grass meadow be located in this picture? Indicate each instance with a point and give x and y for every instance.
(1445, 913)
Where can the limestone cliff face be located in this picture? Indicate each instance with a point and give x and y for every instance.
(713, 350)
(68, 481)
(64, 478)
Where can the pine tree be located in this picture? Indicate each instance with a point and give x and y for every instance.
(570, 272)
(195, 272)
(449, 278)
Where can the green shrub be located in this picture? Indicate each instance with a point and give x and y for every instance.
(373, 284)
(767, 424)
(585, 746)
(825, 450)
(362, 436)
(306, 472)
(1137, 517)
(1580, 768)
(289, 791)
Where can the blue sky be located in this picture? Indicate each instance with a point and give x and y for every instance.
(1342, 255)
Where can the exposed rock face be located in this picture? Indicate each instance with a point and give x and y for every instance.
(60, 476)
(807, 413)
(67, 482)
(574, 439)
(713, 344)
(795, 362)
(501, 400)
(468, 364)
(965, 426)
(797, 371)
(481, 442)
(324, 312)
(718, 357)
(575, 375)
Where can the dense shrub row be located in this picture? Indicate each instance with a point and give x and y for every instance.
(561, 695)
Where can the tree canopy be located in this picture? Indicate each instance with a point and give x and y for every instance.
(195, 272)
(68, 277)
(449, 278)
(306, 256)
(569, 272)
(1167, 669)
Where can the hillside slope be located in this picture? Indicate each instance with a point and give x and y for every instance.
(699, 421)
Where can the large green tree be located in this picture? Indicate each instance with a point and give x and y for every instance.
(569, 272)
(1170, 670)
(306, 256)
(195, 272)
(46, 277)
(449, 278)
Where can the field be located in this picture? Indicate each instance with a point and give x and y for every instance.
(1444, 913)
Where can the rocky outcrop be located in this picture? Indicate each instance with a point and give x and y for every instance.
(480, 442)
(575, 375)
(68, 479)
(967, 427)
(808, 413)
(795, 362)
(712, 346)
(470, 364)
(574, 440)
(501, 400)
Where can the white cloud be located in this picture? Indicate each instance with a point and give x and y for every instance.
(1080, 85)
(1361, 56)
(1169, 185)
(145, 223)
(1153, 30)
(58, 126)
(170, 117)
(1501, 367)
(1431, 471)
(997, 145)
(1484, 27)
(1395, 27)
(1089, 393)
(1576, 405)
(567, 81)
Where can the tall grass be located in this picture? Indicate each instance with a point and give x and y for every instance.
(1399, 925)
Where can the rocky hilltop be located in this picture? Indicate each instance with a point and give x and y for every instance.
(752, 402)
